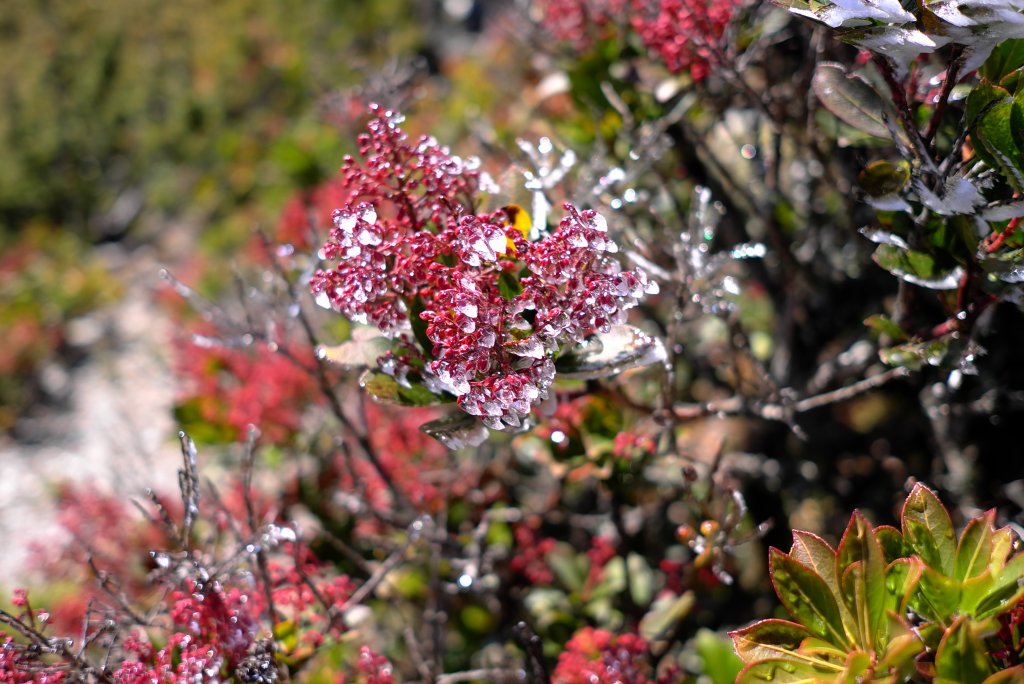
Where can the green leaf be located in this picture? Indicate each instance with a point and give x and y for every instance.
(508, 286)
(974, 550)
(917, 268)
(719, 663)
(892, 543)
(903, 647)
(937, 597)
(419, 326)
(667, 611)
(915, 355)
(807, 597)
(787, 672)
(851, 99)
(962, 657)
(569, 567)
(901, 578)
(994, 136)
(815, 553)
(860, 564)
(884, 325)
(768, 639)
(605, 354)
(386, 390)
(929, 530)
(1005, 591)
(974, 591)
(641, 579)
(857, 664)
(1005, 58)
(457, 430)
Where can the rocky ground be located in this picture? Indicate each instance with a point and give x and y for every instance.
(116, 432)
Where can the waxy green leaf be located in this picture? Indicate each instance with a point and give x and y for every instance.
(962, 657)
(928, 529)
(860, 563)
(768, 639)
(807, 597)
(787, 672)
(892, 542)
(974, 550)
(1005, 58)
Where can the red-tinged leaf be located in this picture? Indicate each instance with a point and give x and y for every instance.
(1007, 676)
(929, 530)
(962, 656)
(863, 590)
(901, 578)
(768, 639)
(974, 550)
(807, 598)
(892, 542)
(786, 672)
(815, 553)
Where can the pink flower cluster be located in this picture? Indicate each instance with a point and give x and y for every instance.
(410, 247)
(683, 33)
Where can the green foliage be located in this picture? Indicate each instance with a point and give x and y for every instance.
(170, 106)
(888, 604)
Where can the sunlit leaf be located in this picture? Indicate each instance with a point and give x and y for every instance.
(974, 549)
(962, 657)
(787, 672)
(807, 597)
(768, 639)
(929, 529)
(863, 587)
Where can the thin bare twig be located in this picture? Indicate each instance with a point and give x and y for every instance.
(59, 647)
(248, 465)
(783, 411)
(188, 483)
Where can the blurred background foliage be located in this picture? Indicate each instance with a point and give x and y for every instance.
(149, 123)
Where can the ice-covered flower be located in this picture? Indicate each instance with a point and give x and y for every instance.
(492, 308)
